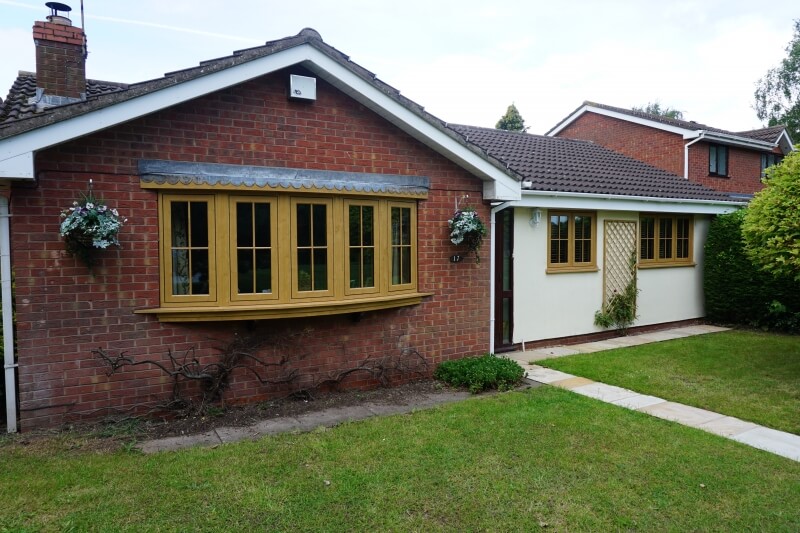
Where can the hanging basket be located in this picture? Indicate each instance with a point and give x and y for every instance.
(88, 226)
(467, 229)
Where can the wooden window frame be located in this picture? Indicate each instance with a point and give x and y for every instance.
(329, 247)
(388, 270)
(235, 296)
(285, 301)
(165, 238)
(674, 260)
(378, 240)
(571, 265)
(718, 149)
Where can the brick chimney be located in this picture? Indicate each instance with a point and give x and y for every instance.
(60, 60)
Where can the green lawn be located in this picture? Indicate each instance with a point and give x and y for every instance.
(750, 375)
(518, 461)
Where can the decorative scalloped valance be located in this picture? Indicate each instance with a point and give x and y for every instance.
(157, 174)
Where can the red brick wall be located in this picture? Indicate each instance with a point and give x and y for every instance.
(63, 312)
(659, 148)
(665, 150)
(744, 169)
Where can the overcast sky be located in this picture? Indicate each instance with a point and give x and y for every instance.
(465, 61)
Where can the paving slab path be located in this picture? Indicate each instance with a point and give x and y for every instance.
(763, 438)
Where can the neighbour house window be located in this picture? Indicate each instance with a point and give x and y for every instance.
(717, 160)
(665, 240)
(768, 160)
(571, 242)
(233, 255)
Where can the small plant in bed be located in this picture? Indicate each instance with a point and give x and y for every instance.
(481, 373)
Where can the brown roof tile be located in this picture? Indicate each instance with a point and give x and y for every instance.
(571, 166)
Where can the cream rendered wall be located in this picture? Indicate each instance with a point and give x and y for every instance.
(675, 293)
(548, 306)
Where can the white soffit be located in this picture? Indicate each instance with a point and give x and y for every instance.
(16, 153)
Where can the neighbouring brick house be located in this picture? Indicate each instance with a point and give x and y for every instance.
(349, 186)
(723, 160)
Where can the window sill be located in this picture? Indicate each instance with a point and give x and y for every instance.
(294, 310)
(644, 266)
(571, 270)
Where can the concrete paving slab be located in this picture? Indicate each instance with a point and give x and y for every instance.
(772, 440)
(683, 414)
(558, 351)
(546, 375)
(603, 392)
(233, 434)
(659, 336)
(276, 425)
(179, 443)
(571, 383)
(624, 342)
(331, 417)
(637, 401)
(587, 347)
(727, 426)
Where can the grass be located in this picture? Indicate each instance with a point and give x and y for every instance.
(750, 375)
(543, 458)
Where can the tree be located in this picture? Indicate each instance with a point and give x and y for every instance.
(654, 108)
(512, 120)
(778, 92)
(771, 228)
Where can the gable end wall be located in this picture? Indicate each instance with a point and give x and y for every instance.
(63, 312)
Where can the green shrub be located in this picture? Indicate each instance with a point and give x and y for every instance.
(738, 292)
(481, 373)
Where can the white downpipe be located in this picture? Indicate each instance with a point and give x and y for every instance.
(493, 270)
(686, 154)
(8, 326)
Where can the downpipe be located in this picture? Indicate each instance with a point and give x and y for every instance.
(7, 316)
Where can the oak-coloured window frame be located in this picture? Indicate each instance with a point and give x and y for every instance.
(286, 300)
(659, 221)
(571, 265)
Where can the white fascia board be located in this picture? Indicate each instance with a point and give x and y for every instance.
(599, 202)
(620, 116)
(124, 111)
(505, 187)
(339, 76)
(734, 140)
(18, 167)
(785, 143)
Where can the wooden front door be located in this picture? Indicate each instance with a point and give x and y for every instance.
(504, 280)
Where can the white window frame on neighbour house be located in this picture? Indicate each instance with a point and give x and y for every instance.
(311, 251)
(718, 157)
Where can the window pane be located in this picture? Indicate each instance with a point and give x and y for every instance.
(583, 239)
(180, 272)
(320, 225)
(263, 225)
(722, 160)
(665, 238)
(406, 275)
(320, 270)
(263, 271)
(244, 224)
(682, 251)
(368, 226)
(368, 279)
(303, 270)
(405, 225)
(199, 268)
(395, 226)
(647, 228)
(303, 225)
(559, 238)
(355, 225)
(712, 159)
(355, 268)
(180, 223)
(199, 224)
(244, 271)
(396, 269)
